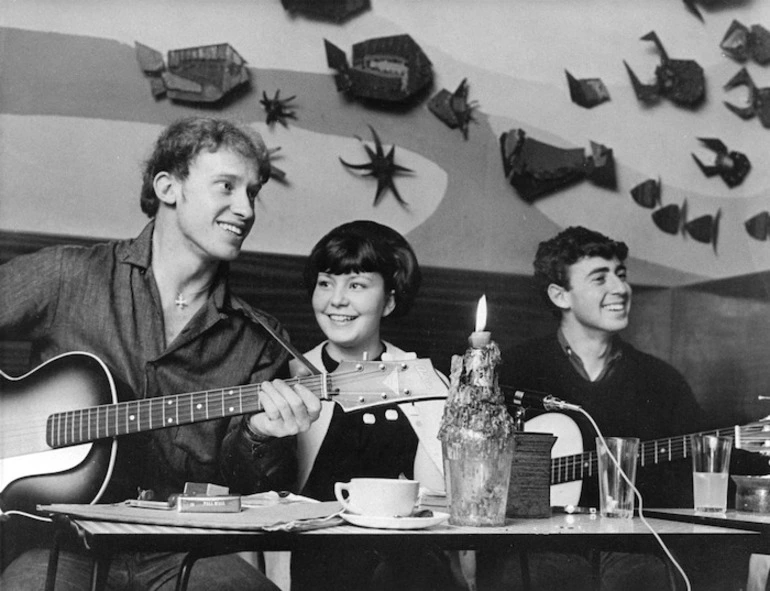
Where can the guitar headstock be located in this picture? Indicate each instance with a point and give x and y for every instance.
(363, 384)
(755, 437)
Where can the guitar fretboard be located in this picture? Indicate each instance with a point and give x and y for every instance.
(584, 465)
(135, 416)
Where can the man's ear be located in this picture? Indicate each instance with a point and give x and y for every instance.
(166, 187)
(559, 296)
(390, 305)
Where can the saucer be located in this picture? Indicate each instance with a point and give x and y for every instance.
(395, 522)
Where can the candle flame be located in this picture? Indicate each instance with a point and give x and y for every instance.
(481, 313)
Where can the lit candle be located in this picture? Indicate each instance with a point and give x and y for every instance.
(479, 337)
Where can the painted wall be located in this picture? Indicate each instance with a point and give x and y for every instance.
(77, 119)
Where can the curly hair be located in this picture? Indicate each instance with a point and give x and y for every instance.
(555, 256)
(181, 142)
(364, 246)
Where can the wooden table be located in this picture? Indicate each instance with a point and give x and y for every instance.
(560, 532)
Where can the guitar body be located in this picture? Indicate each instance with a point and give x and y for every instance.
(33, 473)
(569, 441)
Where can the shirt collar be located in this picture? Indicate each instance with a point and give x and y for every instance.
(138, 252)
(616, 352)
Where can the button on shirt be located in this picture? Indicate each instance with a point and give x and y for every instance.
(103, 300)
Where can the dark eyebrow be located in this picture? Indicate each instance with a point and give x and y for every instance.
(598, 271)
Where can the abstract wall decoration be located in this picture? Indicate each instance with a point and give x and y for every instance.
(337, 11)
(391, 69)
(758, 98)
(741, 43)
(587, 92)
(453, 108)
(731, 166)
(681, 81)
(275, 172)
(277, 108)
(672, 219)
(203, 74)
(536, 169)
(647, 193)
(382, 167)
(758, 226)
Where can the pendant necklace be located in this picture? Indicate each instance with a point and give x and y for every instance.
(181, 301)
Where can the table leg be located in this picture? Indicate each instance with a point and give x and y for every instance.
(53, 563)
(183, 578)
(526, 581)
(99, 572)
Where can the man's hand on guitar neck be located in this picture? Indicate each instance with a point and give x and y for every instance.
(287, 410)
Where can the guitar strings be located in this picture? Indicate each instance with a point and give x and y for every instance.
(638, 496)
(99, 419)
(586, 463)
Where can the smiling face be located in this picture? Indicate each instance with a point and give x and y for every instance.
(215, 204)
(349, 308)
(598, 300)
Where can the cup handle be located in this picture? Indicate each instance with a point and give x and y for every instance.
(338, 488)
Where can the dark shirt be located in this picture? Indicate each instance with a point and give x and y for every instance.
(642, 397)
(376, 443)
(104, 300)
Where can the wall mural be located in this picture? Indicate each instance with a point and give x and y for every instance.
(440, 187)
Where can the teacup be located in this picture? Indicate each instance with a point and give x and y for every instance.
(378, 497)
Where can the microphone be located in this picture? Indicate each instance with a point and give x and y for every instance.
(541, 400)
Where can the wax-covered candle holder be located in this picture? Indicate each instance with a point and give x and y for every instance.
(477, 435)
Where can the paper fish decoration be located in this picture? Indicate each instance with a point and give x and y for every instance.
(202, 74)
(382, 167)
(647, 193)
(759, 226)
(742, 43)
(336, 11)
(672, 219)
(536, 169)
(277, 109)
(759, 98)
(681, 81)
(454, 109)
(392, 69)
(731, 166)
(587, 92)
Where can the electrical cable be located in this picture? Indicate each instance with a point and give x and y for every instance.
(638, 495)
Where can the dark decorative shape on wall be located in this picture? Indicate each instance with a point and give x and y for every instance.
(647, 193)
(391, 69)
(742, 43)
(275, 172)
(681, 81)
(587, 92)
(672, 219)
(732, 167)
(759, 98)
(336, 11)
(536, 169)
(277, 109)
(669, 218)
(690, 4)
(382, 167)
(759, 226)
(453, 108)
(202, 74)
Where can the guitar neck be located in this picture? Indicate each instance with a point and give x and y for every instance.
(584, 465)
(136, 416)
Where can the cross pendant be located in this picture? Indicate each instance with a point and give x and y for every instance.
(180, 302)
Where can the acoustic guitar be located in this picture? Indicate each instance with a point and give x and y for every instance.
(570, 465)
(60, 423)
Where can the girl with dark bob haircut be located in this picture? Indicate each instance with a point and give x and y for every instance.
(364, 246)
